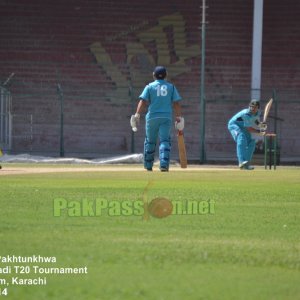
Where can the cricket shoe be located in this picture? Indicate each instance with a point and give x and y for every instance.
(164, 169)
(243, 165)
(248, 167)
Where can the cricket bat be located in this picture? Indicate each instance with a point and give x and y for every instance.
(267, 110)
(181, 149)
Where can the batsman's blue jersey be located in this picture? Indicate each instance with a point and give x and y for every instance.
(160, 94)
(243, 138)
(244, 118)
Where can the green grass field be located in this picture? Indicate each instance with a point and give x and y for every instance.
(249, 248)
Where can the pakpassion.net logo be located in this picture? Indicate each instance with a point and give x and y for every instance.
(159, 207)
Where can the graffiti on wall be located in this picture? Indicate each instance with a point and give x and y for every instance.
(138, 51)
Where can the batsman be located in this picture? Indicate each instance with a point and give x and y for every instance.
(241, 126)
(160, 98)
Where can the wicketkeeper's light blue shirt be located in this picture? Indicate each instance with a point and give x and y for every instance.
(160, 94)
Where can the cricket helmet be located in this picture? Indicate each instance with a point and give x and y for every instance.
(160, 72)
(254, 103)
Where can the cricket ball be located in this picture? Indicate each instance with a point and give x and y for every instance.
(160, 207)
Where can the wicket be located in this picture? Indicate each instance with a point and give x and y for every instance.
(270, 143)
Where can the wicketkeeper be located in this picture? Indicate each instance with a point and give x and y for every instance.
(160, 97)
(241, 127)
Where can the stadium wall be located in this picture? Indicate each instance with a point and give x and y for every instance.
(102, 53)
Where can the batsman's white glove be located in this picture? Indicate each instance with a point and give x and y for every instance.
(262, 126)
(134, 121)
(261, 132)
(179, 123)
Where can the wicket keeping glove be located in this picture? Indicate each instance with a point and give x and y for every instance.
(179, 123)
(134, 121)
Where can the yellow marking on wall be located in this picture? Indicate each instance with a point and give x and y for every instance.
(104, 60)
(157, 35)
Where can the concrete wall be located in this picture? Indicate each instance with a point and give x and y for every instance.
(99, 51)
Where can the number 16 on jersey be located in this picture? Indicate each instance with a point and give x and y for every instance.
(161, 90)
